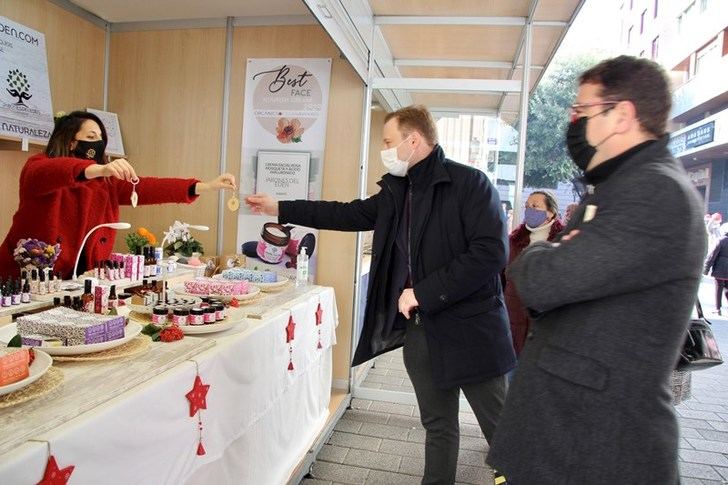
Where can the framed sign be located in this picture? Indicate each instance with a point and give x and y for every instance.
(113, 131)
(283, 175)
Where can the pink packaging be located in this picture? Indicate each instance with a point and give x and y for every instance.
(129, 267)
(139, 265)
(101, 299)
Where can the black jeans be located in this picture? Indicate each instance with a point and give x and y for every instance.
(721, 287)
(439, 408)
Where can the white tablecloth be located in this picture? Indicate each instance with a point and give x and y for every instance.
(261, 418)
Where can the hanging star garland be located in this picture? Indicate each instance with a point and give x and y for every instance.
(55, 476)
(198, 401)
(197, 396)
(319, 314)
(290, 335)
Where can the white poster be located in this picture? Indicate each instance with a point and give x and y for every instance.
(284, 131)
(113, 131)
(283, 175)
(25, 96)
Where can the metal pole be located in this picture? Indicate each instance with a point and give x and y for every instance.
(523, 114)
(224, 132)
(366, 119)
(107, 51)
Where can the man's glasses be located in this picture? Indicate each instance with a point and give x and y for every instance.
(575, 109)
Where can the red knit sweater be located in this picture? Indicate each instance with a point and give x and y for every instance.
(55, 206)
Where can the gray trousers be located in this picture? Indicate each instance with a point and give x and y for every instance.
(439, 408)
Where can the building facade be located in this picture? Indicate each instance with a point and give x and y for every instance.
(690, 39)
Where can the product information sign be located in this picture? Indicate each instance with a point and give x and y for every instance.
(25, 94)
(284, 136)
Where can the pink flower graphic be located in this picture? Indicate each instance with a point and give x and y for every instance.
(289, 131)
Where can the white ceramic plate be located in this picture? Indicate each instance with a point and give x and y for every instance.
(131, 330)
(40, 366)
(254, 290)
(209, 328)
(282, 280)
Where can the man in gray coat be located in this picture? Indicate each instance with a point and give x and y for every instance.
(590, 402)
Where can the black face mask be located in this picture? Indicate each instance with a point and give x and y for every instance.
(90, 150)
(579, 148)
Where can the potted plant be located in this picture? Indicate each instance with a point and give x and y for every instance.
(34, 254)
(181, 242)
(135, 241)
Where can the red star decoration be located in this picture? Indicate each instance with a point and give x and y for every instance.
(55, 476)
(197, 396)
(290, 328)
(319, 313)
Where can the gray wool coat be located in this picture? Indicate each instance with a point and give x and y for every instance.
(590, 402)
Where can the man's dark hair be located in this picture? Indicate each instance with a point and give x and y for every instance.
(641, 81)
(59, 144)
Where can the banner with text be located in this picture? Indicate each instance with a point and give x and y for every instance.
(284, 137)
(25, 97)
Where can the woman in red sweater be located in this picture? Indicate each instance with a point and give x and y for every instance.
(68, 189)
(541, 223)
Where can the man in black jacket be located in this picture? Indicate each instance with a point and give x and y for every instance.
(439, 247)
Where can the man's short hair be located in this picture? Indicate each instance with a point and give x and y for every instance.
(415, 117)
(641, 81)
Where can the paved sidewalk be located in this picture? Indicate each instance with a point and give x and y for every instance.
(704, 417)
(380, 442)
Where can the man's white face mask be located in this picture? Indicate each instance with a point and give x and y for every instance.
(392, 163)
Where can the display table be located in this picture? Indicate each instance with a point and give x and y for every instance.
(261, 416)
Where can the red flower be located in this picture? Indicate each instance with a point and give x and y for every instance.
(171, 333)
(235, 303)
(288, 131)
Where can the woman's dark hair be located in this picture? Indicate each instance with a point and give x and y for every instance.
(59, 144)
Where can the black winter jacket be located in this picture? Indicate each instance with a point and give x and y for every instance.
(458, 247)
(718, 260)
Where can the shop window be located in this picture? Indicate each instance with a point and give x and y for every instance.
(716, 183)
(655, 47)
(654, 10)
(642, 21)
(629, 35)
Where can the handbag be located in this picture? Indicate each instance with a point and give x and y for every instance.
(700, 350)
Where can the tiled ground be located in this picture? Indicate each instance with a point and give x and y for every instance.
(380, 442)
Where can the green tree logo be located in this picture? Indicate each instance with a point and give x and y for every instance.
(19, 87)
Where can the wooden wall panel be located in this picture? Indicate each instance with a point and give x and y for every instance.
(343, 138)
(75, 50)
(376, 168)
(167, 87)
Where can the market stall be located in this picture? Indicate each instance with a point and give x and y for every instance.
(136, 419)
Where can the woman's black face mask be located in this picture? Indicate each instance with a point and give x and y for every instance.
(90, 150)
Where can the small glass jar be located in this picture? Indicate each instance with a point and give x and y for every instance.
(219, 312)
(197, 316)
(159, 315)
(180, 316)
(209, 315)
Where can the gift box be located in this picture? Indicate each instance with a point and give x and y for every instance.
(72, 327)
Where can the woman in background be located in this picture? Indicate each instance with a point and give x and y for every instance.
(68, 189)
(717, 262)
(540, 223)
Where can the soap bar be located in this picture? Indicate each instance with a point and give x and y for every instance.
(14, 365)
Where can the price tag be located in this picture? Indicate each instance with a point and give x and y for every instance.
(134, 195)
(233, 203)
